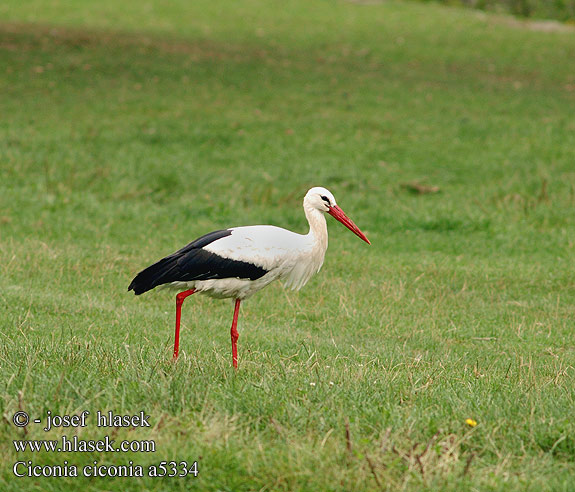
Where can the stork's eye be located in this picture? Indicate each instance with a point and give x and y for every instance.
(326, 200)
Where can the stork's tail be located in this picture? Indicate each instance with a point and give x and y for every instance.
(154, 275)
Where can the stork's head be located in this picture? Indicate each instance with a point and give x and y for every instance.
(324, 201)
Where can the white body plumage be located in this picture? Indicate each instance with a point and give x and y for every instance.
(285, 255)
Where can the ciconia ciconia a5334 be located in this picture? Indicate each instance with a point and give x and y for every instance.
(236, 263)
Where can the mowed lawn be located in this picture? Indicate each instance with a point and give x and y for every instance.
(129, 128)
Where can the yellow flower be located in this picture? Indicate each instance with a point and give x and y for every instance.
(471, 422)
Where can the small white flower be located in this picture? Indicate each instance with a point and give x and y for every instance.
(331, 383)
(312, 384)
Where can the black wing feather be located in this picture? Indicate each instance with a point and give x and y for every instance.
(194, 263)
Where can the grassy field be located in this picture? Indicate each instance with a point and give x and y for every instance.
(129, 128)
(561, 10)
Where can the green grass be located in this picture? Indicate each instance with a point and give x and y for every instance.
(562, 10)
(129, 129)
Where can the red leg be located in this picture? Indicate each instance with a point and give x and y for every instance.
(179, 301)
(235, 334)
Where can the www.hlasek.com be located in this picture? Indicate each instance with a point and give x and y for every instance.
(28, 468)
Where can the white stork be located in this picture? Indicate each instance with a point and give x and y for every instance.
(236, 263)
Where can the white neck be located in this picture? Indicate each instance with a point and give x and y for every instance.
(317, 228)
(310, 254)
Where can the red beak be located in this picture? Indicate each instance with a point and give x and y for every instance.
(338, 214)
